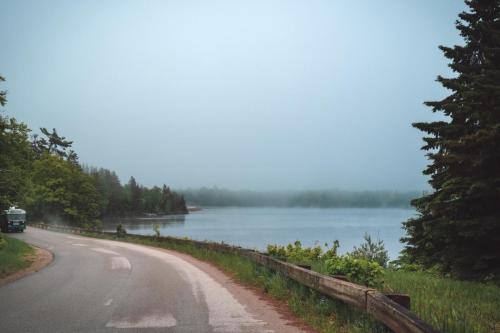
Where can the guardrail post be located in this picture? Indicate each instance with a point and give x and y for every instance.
(402, 299)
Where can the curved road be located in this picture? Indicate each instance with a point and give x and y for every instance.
(105, 286)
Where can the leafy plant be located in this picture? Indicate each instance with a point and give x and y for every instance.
(156, 229)
(2, 242)
(295, 252)
(372, 251)
(368, 273)
(120, 231)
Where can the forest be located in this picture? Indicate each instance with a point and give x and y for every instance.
(42, 173)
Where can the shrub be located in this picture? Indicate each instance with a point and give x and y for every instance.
(156, 229)
(120, 231)
(371, 251)
(2, 242)
(368, 273)
(331, 252)
(295, 252)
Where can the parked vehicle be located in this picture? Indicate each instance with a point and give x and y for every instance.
(13, 219)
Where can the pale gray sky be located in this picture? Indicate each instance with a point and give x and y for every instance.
(240, 94)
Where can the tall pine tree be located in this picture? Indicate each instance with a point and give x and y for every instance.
(458, 226)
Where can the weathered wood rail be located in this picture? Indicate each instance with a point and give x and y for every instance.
(395, 316)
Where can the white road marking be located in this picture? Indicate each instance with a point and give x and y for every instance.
(77, 238)
(225, 313)
(166, 320)
(79, 244)
(106, 251)
(108, 302)
(120, 263)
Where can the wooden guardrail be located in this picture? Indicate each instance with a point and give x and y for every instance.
(383, 309)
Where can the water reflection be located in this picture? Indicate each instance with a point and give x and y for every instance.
(144, 223)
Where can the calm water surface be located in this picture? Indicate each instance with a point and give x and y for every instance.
(257, 227)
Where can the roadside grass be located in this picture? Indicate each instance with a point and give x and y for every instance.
(14, 255)
(449, 305)
(320, 312)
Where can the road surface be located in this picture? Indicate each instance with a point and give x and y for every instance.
(105, 286)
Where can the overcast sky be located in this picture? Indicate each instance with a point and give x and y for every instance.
(261, 95)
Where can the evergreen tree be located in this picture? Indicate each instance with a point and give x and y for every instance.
(53, 143)
(135, 196)
(458, 226)
(3, 93)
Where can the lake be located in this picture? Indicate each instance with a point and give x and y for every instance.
(257, 227)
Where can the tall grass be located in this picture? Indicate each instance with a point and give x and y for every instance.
(14, 255)
(447, 304)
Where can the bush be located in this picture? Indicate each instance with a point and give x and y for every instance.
(362, 271)
(360, 266)
(371, 251)
(2, 242)
(120, 231)
(295, 252)
(156, 229)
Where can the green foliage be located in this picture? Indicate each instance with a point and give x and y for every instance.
(447, 304)
(156, 229)
(133, 199)
(3, 93)
(295, 252)
(372, 251)
(362, 271)
(14, 255)
(361, 266)
(60, 189)
(458, 225)
(15, 161)
(2, 242)
(53, 144)
(120, 231)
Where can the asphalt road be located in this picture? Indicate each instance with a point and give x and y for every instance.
(104, 286)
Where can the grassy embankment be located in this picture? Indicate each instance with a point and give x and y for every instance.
(449, 305)
(14, 255)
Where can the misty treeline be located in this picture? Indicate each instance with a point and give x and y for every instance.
(133, 199)
(41, 173)
(321, 199)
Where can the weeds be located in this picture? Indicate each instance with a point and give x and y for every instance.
(14, 255)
